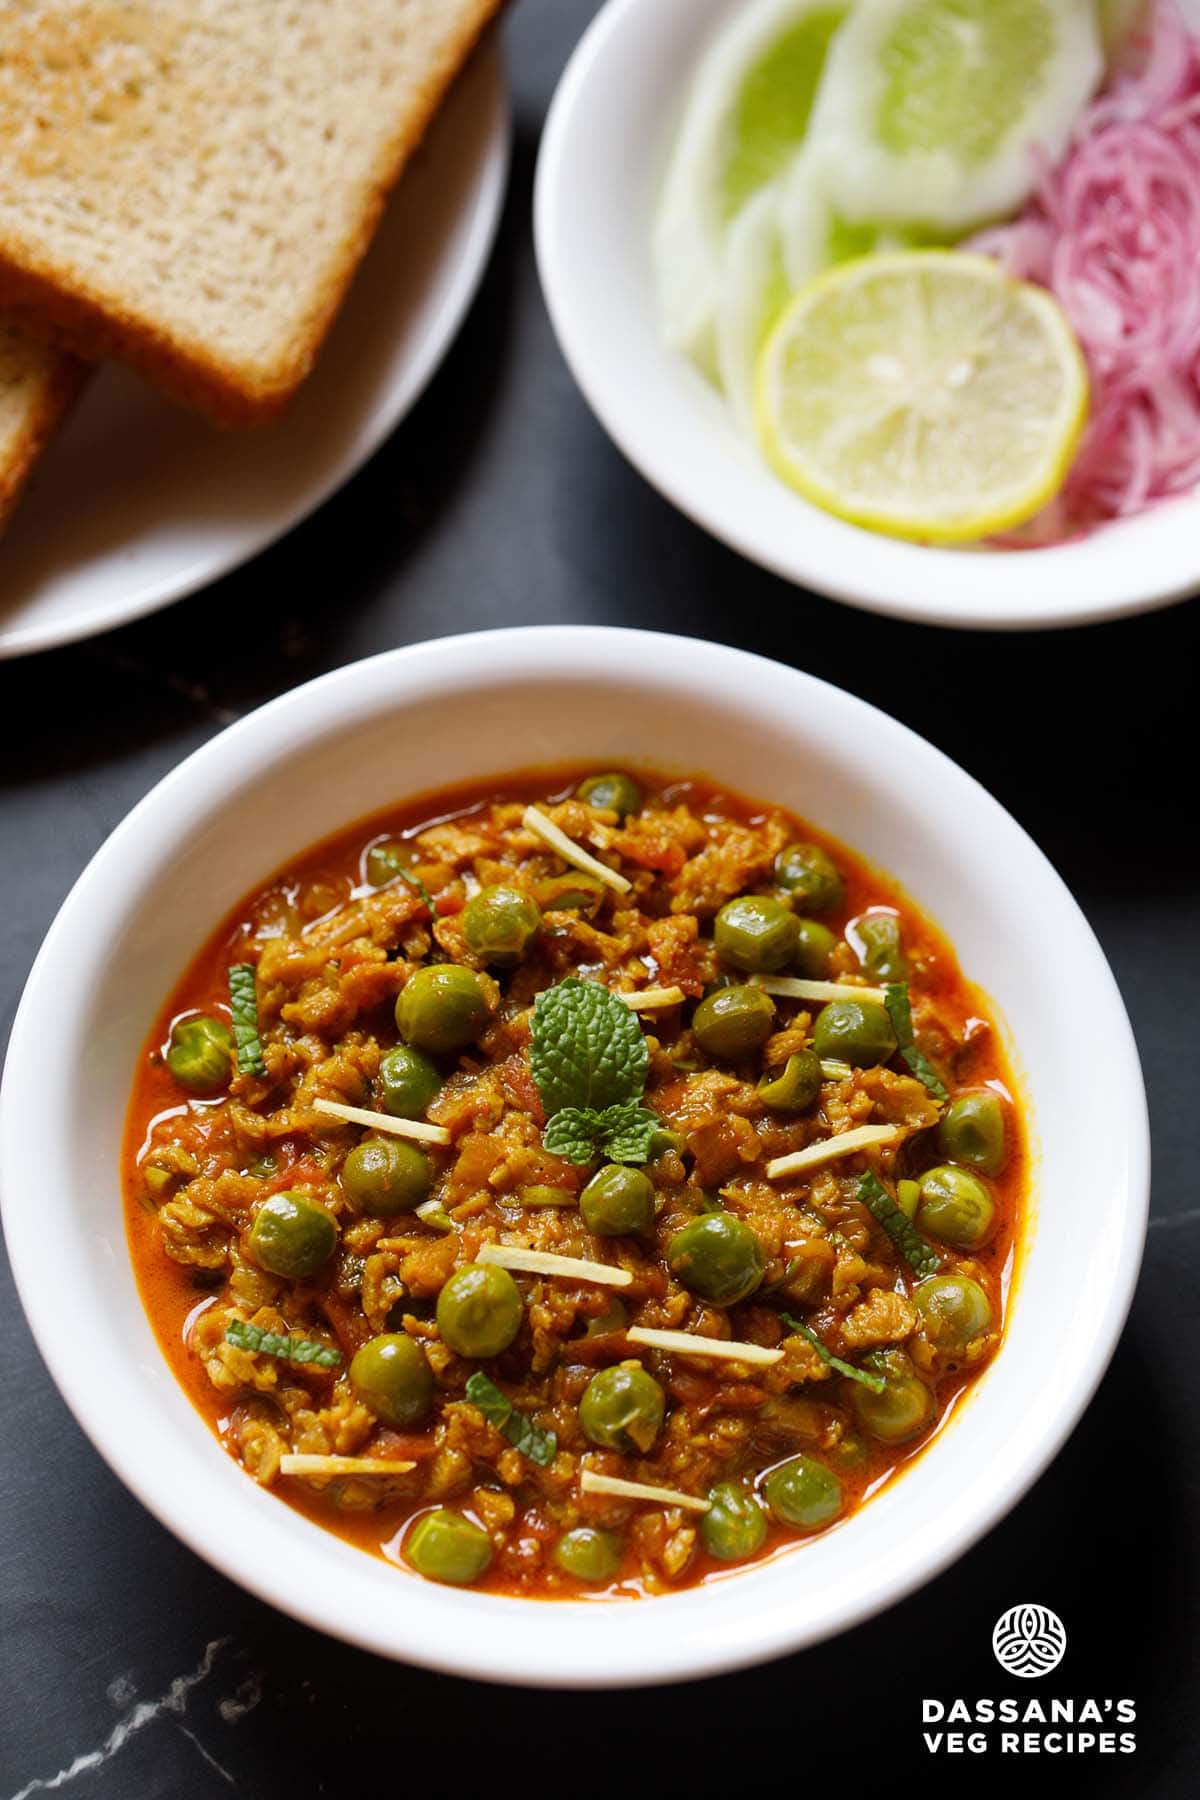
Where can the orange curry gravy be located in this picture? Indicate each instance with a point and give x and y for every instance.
(333, 952)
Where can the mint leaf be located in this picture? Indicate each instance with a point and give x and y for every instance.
(924, 1071)
(244, 1336)
(876, 1383)
(496, 1407)
(623, 1134)
(589, 1059)
(573, 1134)
(390, 859)
(539, 1446)
(414, 881)
(587, 1048)
(921, 1257)
(243, 1007)
(899, 1011)
(627, 1132)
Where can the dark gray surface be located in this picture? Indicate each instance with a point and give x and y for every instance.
(500, 502)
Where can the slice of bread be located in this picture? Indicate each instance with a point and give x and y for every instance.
(37, 385)
(190, 185)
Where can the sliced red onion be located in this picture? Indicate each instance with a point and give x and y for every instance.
(1114, 232)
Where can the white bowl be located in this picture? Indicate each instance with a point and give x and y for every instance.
(603, 152)
(369, 735)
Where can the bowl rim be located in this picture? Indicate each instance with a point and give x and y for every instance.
(718, 481)
(426, 1629)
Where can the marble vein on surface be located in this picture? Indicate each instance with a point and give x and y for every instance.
(1167, 1220)
(169, 1707)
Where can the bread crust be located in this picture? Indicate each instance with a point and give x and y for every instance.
(56, 394)
(57, 306)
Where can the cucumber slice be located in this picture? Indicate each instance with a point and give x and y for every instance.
(930, 109)
(754, 291)
(745, 117)
(814, 235)
(786, 235)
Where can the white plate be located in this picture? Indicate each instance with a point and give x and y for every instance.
(460, 708)
(138, 502)
(601, 162)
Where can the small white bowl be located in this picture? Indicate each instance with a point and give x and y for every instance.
(372, 734)
(602, 158)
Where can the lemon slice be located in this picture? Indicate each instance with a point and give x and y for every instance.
(746, 115)
(932, 109)
(923, 393)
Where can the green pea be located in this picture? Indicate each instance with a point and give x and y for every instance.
(795, 1088)
(157, 1180)
(611, 792)
(499, 924)
(850, 1451)
(540, 1194)
(705, 1200)
(804, 1493)
(201, 1054)
(733, 1022)
(408, 1082)
(815, 944)
(665, 1139)
(571, 893)
(617, 1200)
(384, 1176)
(812, 877)
(445, 1546)
(973, 1131)
(389, 858)
(908, 1197)
(902, 1409)
(622, 1409)
(735, 1525)
(479, 1310)
(756, 934)
(292, 1236)
(613, 1318)
(717, 1257)
(880, 950)
(589, 1553)
(442, 1008)
(857, 1032)
(954, 1309)
(956, 1207)
(391, 1376)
